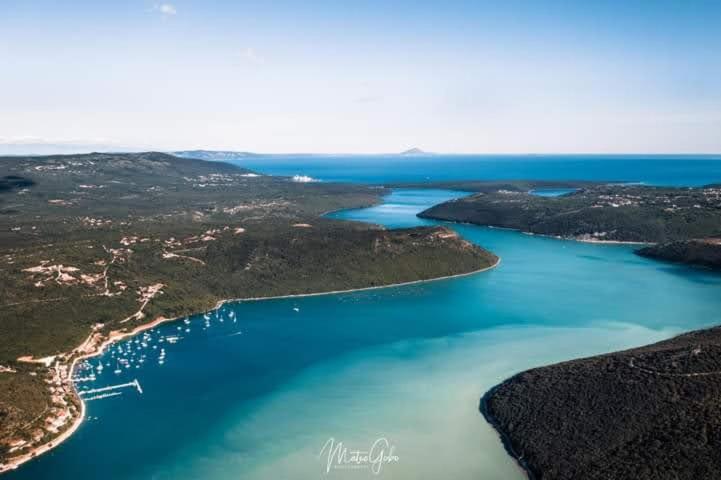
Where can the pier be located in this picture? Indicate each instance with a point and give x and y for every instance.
(102, 395)
(101, 390)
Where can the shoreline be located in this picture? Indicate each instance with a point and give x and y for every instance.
(537, 405)
(545, 235)
(116, 336)
(360, 289)
(505, 440)
(582, 240)
(16, 462)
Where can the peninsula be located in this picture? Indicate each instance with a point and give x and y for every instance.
(646, 413)
(97, 247)
(704, 252)
(593, 212)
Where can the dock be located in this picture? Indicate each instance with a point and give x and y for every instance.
(94, 391)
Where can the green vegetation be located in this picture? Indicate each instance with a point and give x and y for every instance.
(600, 212)
(647, 413)
(104, 243)
(705, 253)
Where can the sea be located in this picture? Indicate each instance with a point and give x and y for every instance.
(676, 170)
(382, 383)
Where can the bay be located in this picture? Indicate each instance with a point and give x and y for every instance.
(258, 394)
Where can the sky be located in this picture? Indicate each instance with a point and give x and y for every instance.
(367, 76)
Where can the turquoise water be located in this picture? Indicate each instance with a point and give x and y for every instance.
(257, 398)
(685, 170)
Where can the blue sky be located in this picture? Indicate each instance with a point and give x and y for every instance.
(372, 76)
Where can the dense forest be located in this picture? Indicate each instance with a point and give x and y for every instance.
(704, 252)
(647, 413)
(600, 212)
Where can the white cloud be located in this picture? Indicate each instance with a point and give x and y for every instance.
(165, 9)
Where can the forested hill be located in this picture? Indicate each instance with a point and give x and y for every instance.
(603, 212)
(704, 252)
(649, 413)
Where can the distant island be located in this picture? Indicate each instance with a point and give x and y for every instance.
(646, 413)
(98, 247)
(414, 151)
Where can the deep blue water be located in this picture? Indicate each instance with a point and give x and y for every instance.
(256, 398)
(686, 170)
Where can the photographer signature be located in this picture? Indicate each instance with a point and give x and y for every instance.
(340, 457)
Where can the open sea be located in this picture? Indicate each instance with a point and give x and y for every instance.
(256, 389)
(684, 170)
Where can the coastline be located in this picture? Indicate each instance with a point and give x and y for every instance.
(546, 235)
(582, 240)
(505, 440)
(15, 462)
(116, 336)
(558, 427)
(361, 289)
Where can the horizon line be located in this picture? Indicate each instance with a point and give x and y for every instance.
(360, 154)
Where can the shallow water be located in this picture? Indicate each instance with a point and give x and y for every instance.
(258, 397)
